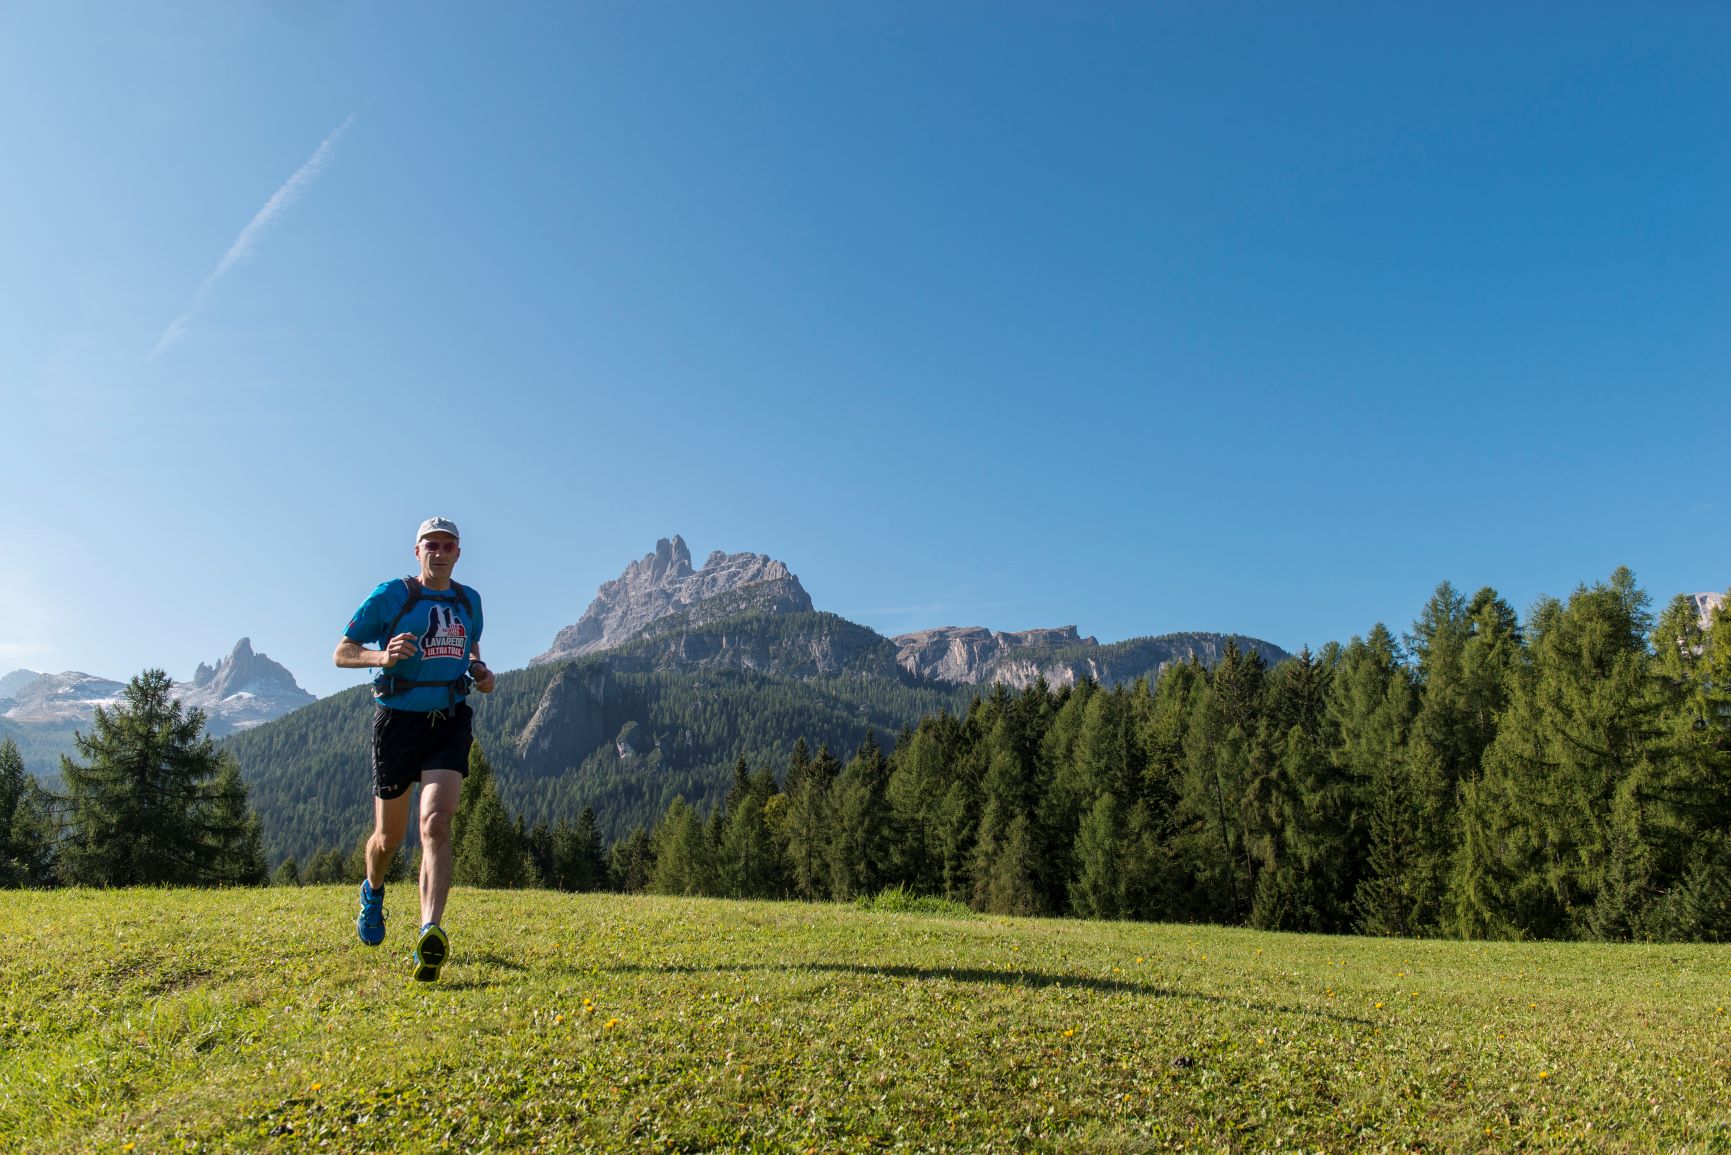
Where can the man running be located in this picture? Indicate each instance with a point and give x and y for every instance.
(427, 630)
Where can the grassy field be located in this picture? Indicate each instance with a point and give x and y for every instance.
(242, 1020)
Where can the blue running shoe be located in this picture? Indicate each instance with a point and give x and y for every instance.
(370, 924)
(430, 952)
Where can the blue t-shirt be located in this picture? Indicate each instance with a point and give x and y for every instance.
(445, 635)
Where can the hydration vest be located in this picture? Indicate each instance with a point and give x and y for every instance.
(388, 685)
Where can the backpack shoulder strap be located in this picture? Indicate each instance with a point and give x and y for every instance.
(413, 585)
(463, 598)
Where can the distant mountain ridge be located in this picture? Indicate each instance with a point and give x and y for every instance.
(243, 690)
(972, 655)
(57, 699)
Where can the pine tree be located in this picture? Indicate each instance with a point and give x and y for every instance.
(236, 832)
(684, 855)
(580, 858)
(753, 866)
(1008, 884)
(920, 777)
(1161, 886)
(542, 854)
(1099, 889)
(1565, 809)
(807, 826)
(631, 864)
(1370, 710)
(1220, 762)
(1006, 865)
(486, 848)
(27, 833)
(859, 855)
(1302, 846)
(150, 802)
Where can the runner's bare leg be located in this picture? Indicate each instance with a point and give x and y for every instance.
(440, 792)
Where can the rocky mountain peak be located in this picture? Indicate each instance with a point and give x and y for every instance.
(242, 690)
(662, 584)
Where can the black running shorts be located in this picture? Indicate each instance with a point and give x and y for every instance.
(408, 742)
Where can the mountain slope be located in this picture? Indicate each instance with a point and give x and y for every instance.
(689, 701)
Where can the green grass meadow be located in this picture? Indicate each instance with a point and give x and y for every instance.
(253, 1020)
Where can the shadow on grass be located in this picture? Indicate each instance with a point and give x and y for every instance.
(474, 982)
(1004, 978)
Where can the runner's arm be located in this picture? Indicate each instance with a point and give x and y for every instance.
(351, 655)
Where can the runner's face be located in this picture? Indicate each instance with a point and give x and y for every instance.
(438, 553)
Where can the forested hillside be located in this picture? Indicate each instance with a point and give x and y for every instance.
(626, 731)
(1566, 777)
(657, 733)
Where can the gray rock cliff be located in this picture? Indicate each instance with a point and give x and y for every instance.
(662, 584)
(569, 721)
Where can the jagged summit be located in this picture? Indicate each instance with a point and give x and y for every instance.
(242, 690)
(662, 583)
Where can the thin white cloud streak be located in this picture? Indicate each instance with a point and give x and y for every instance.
(291, 191)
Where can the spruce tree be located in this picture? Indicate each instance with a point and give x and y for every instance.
(1566, 810)
(753, 865)
(27, 834)
(486, 847)
(859, 853)
(631, 862)
(1099, 887)
(807, 826)
(585, 861)
(684, 856)
(1370, 710)
(920, 777)
(1221, 760)
(149, 798)
(237, 834)
(1006, 860)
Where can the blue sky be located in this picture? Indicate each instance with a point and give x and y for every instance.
(1246, 317)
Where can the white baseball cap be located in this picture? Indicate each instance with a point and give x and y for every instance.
(438, 525)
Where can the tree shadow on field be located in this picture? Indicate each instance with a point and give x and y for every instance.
(1020, 980)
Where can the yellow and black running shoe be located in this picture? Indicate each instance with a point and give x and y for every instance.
(430, 951)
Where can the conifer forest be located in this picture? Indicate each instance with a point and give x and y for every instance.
(1565, 776)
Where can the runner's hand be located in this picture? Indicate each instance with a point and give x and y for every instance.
(483, 676)
(400, 647)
